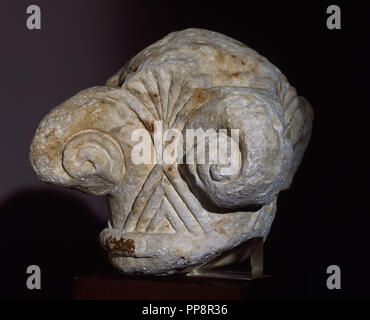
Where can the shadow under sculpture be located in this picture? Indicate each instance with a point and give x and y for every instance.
(171, 217)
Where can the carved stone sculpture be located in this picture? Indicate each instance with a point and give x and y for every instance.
(169, 217)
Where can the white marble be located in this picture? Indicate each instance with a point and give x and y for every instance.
(171, 217)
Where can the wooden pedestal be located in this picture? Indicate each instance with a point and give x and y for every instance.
(161, 288)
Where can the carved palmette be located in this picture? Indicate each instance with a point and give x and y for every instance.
(170, 217)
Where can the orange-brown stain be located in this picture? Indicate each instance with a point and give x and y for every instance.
(120, 245)
(200, 95)
(220, 57)
(151, 127)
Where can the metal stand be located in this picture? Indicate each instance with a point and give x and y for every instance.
(253, 249)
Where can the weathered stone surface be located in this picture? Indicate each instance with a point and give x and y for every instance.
(170, 217)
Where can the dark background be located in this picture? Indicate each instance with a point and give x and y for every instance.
(323, 219)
